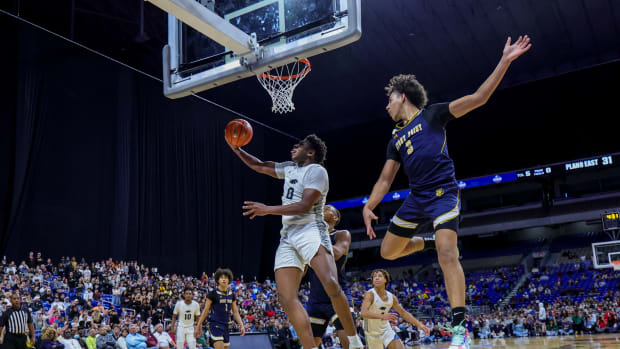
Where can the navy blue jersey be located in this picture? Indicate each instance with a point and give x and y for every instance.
(317, 292)
(221, 306)
(420, 146)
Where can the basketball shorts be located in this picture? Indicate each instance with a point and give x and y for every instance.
(321, 314)
(219, 333)
(299, 243)
(381, 342)
(427, 212)
(185, 335)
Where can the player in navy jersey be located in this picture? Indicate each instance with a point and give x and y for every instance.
(221, 302)
(419, 143)
(320, 308)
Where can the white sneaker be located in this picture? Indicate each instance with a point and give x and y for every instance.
(460, 338)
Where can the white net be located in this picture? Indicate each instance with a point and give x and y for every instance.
(280, 83)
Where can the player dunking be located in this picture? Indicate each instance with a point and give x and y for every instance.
(376, 313)
(219, 305)
(320, 307)
(419, 143)
(304, 238)
(185, 312)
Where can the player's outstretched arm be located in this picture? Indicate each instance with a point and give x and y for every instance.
(235, 309)
(378, 192)
(342, 244)
(308, 198)
(369, 297)
(264, 167)
(408, 317)
(468, 103)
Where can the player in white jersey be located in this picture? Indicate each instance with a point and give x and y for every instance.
(185, 312)
(304, 239)
(376, 313)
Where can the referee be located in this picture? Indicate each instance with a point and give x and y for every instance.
(18, 323)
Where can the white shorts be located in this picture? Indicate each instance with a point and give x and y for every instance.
(381, 342)
(185, 335)
(299, 243)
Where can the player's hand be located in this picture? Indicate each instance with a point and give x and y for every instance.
(242, 330)
(512, 52)
(33, 340)
(425, 329)
(197, 331)
(254, 209)
(390, 317)
(233, 147)
(369, 216)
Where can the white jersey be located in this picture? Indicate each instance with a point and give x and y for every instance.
(377, 327)
(296, 179)
(186, 313)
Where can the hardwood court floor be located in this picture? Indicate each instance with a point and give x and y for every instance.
(567, 342)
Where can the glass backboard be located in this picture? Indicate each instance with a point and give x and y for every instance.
(285, 31)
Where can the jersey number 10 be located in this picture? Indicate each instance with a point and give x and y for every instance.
(188, 316)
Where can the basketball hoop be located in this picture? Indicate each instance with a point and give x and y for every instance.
(280, 83)
(616, 265)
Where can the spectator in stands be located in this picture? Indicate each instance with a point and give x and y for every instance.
(485, 331)
(67, 339)
(164, 341)
(135, 340)
(105, 340)
(519, 328)
(578, 322)
(121, 341)
(91, 340)
(48, 340)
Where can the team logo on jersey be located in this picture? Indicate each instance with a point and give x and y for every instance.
(439, 192)
(293, 181)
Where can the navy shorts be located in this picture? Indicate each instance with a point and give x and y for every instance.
(427, 212)
(219, 333)
(321, 314)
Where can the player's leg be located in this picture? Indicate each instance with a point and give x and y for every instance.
(190, 339)
(342, 335)
(394, 246)
(391, 340)
(448, 255)
(396, 344)
(180, 337)
(287, 283)
(399, 240)
(216, 332)
(325, 268)
(318, 321)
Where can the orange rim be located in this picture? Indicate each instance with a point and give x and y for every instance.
(287, 77)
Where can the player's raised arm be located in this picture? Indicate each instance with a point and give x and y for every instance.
(378, 192)
(264, 167)
(342, 244)
(369, 297)
(408, 317)
(468, 103)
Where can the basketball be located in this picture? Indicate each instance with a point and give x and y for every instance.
(239, 132)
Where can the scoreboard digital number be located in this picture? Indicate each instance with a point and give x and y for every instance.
(611, 220)
(569, 167)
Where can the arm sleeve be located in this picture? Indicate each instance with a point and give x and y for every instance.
(280, 166)
(392, 153)
(439, 114)
(316, 178)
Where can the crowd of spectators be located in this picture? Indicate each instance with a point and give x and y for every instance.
(124, 305)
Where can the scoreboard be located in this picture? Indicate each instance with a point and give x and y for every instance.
(557, 169)
(611, 220)
(570, 166)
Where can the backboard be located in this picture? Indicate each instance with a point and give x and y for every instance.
(603, 253)
(215, 42)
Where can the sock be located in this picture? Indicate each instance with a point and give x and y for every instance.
(458, 315)
(429, 243)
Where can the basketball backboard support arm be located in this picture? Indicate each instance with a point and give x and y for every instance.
(208, 23)
(176, 85)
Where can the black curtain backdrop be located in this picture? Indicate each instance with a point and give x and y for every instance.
(98, 163)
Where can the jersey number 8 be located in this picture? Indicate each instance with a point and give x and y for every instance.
(289, 193)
